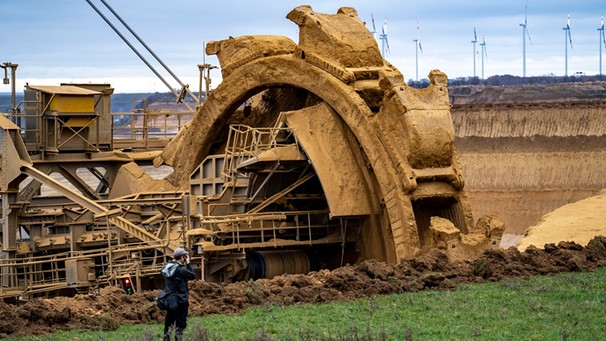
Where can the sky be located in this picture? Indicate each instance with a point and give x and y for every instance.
(67, 41)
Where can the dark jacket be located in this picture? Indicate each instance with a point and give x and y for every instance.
(176, 276)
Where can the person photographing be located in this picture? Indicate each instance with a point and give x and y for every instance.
(176, 273)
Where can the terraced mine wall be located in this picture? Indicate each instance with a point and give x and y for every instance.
(523, 160)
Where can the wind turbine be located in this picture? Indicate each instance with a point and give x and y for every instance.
(384, 42)
(474, 41)
(417, 48)
(601, 38)
(524, 34)
(483, 44)
(567, 37)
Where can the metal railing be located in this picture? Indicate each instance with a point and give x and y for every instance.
(236, 232)
(26, 276)
(245, 143)
(146, 129)
(137, 129)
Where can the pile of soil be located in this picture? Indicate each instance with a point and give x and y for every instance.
(577, 222)
(111, 307)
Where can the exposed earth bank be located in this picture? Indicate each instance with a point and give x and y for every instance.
(111, 307)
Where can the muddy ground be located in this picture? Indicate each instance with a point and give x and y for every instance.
(111, 307)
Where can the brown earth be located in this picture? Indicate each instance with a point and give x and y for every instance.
(554, 92)
(111, 307)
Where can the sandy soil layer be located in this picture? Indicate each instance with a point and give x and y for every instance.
(523, 208)
(578, 222)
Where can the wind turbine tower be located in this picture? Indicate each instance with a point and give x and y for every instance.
(474, 41)
(567, 38)
(483, 45)
(524, 35)
(602, 39)
(384, 42)
(417, 48)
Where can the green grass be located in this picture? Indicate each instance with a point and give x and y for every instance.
(566, 306)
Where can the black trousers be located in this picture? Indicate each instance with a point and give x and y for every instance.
(178, 317)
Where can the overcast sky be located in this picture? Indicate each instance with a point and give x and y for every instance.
(67, 41)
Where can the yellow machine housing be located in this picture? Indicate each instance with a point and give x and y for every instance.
(70, 118)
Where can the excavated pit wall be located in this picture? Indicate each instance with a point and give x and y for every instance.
(523, 160)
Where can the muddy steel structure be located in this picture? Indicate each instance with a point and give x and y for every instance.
(308, 155)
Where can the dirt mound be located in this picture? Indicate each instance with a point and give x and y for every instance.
(577, 222)
(110, 307)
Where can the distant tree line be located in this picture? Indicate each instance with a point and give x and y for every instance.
(504, 80)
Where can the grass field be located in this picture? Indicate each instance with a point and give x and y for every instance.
(567, 306)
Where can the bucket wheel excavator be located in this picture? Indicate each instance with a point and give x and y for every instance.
(307, 156)
(318, 154)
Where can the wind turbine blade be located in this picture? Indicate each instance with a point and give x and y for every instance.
(603, 34)
(568, 29)
(528, 34)
(419, 37)
(385, 36)
(475, 35)
(526, 22)
(570, 38)
(374, 29)
(484, 45)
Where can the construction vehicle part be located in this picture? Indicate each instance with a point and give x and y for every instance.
(271, 263)
(381, 153)
(184, 87)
